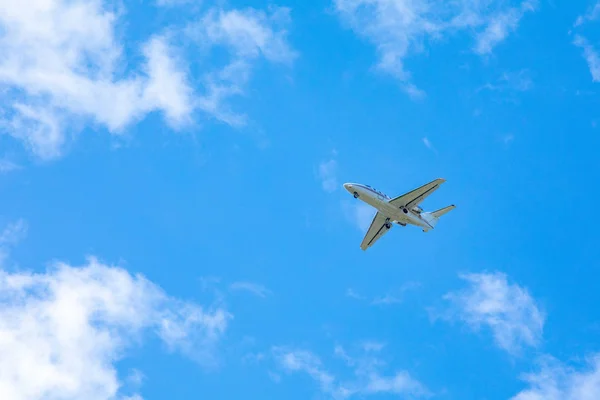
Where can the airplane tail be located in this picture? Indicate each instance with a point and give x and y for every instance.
(433, 217)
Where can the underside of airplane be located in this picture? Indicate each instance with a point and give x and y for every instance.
(402, 210)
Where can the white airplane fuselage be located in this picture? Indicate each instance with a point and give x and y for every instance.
(380, 201)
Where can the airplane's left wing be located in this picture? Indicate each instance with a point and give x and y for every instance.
(375, 232)
(416, 196)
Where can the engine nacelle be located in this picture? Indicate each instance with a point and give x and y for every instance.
(417, 209)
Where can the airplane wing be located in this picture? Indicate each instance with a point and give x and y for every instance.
(376, 231)
(416, 196)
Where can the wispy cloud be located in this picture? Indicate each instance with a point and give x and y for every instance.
(509, 86)
(398, 28)
(328, 175)
(428, 144)
(507, 139)
(353, 294)
(508, 310)
(556, 381)
(396, 296)
(68, 75)
(519, 81)
(591, 15)
(591, 55)
(367, 379)
(136, 377)
(253, 288)
(372, 346)
(386, 300)
(64, 330)
(500, 25)
(71, 71)
(8, 166)
(294, 360)
(248, 35)
(13, 233)
(392, 297)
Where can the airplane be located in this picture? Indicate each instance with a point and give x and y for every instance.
(401, 210)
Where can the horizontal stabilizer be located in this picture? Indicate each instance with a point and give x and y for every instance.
(432, 218)
(443, 211)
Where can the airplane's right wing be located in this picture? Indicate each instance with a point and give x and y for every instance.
(375, 232)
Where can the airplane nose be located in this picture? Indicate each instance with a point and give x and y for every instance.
(347, 186)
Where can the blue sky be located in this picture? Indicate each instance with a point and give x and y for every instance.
(174, 223)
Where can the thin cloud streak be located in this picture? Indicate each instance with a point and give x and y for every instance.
(254, 288)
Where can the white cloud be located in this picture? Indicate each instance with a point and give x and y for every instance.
(248, 34)
(591, 56)
(401, 383)
(254, 288)
(400, 27)
(590, 53)
(62, 331)
(61, 60)
(506, 309)
(167, 88)
(328, 175)
(366, 381)
(63, 66)
(555, 381)
(500, 25)
(305, 361)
